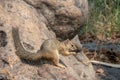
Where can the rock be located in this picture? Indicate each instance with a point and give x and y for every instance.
(33, 30)
(64, 17)
(100, 71)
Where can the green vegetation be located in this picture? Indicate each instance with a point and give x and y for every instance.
(104, 18)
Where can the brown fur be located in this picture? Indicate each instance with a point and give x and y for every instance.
(49, 49)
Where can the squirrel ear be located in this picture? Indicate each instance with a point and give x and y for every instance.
(67, 41)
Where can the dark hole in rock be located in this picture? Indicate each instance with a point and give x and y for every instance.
(3, 39)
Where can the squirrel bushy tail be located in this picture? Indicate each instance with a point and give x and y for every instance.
(20, 51)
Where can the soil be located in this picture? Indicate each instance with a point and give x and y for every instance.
(106, 73)
(109, 73)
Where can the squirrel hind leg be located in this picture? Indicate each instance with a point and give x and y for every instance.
(56, 60)
(60, 65)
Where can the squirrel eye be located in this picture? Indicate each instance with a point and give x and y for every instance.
(71, 45)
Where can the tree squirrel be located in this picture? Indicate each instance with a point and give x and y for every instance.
(50, 49)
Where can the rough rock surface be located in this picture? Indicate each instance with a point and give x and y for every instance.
(33, 31)
(64, 17)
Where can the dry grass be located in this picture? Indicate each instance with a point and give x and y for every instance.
(104, 19)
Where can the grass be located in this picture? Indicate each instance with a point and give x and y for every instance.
(104, 18)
